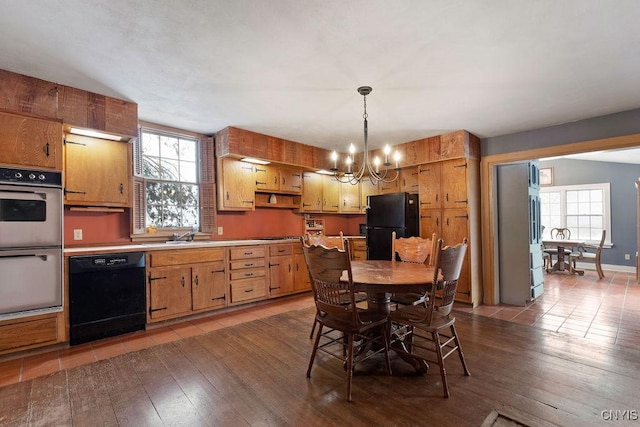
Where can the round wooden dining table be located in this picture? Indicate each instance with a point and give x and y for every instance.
(379, 279)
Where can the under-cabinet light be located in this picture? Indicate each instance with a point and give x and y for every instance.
(256, 161)
(324, 172)
(94, 134)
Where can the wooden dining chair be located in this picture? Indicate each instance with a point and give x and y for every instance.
(326, 267)
(329, 242)
(426, 332)
(556, 233)
(415, 250)
(589, 253)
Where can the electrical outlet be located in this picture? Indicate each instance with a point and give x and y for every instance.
(77, 234)
(220, 231)
(627, 257)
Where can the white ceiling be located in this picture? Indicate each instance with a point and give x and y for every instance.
(290, 68)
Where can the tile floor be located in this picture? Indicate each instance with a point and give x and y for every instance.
(605, 310)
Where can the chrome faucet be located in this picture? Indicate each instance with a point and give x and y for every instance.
(189, 234)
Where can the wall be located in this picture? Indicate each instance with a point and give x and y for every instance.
(622, 179)
(97, 228)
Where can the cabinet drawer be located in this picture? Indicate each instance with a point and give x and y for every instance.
(244, 274)
(247, 290)
(247, 252)
(185, 256)
(358, 244)
(249, 263)
(280, 250)
(24, 334)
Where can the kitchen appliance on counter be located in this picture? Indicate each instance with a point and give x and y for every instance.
(387, 213)
(106, 295)
(31, 257)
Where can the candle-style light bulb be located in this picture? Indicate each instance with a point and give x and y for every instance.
(376, 163)
(386, 151)
(334, 157)
(349, 161)
(396, 157)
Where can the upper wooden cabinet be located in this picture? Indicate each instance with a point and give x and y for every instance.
(457, 144)
(349, 198)
(273, 178)
(408, 180)
(312, 192)
(97, 172)
(236, 185)
(330, 194)
(90, 110)
(28, 141)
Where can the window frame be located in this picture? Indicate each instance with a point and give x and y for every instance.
(606, 220)
(206, 184)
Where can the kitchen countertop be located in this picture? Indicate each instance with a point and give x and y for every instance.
(136, 247)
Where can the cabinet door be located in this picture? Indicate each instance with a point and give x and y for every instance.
(455, 227)
(390, 187)
(267, 178)
(25, 141)
(312, 192)
(169, 291)
(409, 180)
(429, 186)
(454, 183)
(330, 194)
(301, 280)
(291, 180)
(281, 270)
(236, 189)
(97, 172)
(366, 189)
(208, 285)
(349, 198)
(430, 222)
(453, 145)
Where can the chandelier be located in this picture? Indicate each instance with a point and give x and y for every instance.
(369, 168)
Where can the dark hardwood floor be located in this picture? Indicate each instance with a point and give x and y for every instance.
(253, 373)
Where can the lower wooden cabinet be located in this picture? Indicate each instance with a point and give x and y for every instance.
(185, 281)
(301, 281)
(281, 269)
(247, 273)
(358, 246)
(31, 332)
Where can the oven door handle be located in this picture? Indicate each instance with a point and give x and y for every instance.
(42, 256)
(41, 195)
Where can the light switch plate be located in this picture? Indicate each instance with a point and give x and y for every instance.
(220, 231)
(77, 234)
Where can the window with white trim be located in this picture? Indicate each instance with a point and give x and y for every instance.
(583, 209)
(168, 164)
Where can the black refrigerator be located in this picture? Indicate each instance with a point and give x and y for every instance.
(387, 213)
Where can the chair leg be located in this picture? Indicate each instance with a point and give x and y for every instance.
(599, 270)
(349, 366)
(313, 328)
(460, 353)
(314, 351)
(386, 333)
(443, 374)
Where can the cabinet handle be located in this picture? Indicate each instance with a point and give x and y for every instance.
(282, 250)
(297, 267)
(218, 271)
(153, 310)
(461, 216)
(289, 267)
(437, 221)
(227, 195)
(304, 205)
(196, 280)
(260, 183)
(121, 188)
(247, 265)
(273, 265)
(46, 148)
(425, 203)
(248, 253)
(156, 278)
(461, 166)
(465, 201)
(260, 170)
(248, 274)
(73, 192)
(223, 297)
(248, 290)
(296, 186)
(182, 281)
(275, 287)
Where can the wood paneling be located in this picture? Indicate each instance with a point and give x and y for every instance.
(28, 95)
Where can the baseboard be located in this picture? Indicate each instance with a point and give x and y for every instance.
(606, 267)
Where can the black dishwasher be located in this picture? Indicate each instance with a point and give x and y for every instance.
(106, 295)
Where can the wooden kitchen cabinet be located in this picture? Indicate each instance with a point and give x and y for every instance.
(236, 185)
(367, 188)
(31, 332)
(408, 181)
(247, 273)
(281, 270)
(358, 246)
(389, 187)
(349, 198)
(449, 206)
(301, 280)
(311, 192)
(30, 142)
(278, 179)
(97, 172)
(185, 281)
(330, 194)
